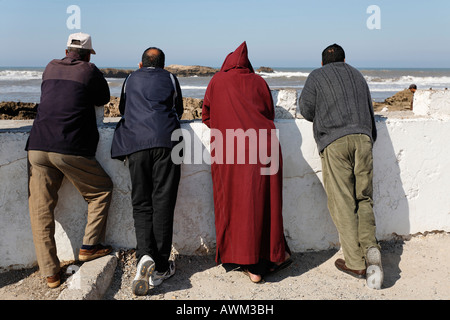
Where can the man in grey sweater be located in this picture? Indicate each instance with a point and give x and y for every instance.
(336, 98)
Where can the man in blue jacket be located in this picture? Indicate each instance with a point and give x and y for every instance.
(151, 104)
(336, 98)
(62, 143)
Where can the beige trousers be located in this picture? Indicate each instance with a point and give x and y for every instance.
(45, 175)
(347, 166)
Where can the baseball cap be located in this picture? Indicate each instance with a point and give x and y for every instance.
(80, 40)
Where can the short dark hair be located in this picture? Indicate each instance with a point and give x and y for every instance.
(333, 53)
(153, 60)
(83, 53)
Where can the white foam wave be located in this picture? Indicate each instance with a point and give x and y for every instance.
(15, 75)
(283, 74)
(193, 87)
(421, 82)
(286, 87)
(19, 89)
(387, 89)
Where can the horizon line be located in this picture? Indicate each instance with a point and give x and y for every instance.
(275, 67)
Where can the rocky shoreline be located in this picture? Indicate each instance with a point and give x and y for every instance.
(178, 70)
(401, 101)
(10, 110)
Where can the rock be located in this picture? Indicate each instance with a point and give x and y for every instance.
(178, 70)
(91, 281)
(192, 108)
(112, 108)
(286, 104)
(11, 110)
(190, 71)
(115, 73)
(265, 70)
(401, 101)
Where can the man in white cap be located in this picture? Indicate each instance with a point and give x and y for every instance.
(62, 143)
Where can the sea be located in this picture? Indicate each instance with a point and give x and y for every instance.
(23, 83)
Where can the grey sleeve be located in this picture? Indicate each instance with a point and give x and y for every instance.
(307, 101)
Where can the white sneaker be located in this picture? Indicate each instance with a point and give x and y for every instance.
(374, 271)
(145, 269)
(158, 277)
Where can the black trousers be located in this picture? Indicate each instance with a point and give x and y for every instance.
(154, 182)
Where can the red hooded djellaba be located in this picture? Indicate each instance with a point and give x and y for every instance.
(246, 164)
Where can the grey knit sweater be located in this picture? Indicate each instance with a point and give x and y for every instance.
(336, 98)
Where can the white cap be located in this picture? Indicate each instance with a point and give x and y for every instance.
(80, 40)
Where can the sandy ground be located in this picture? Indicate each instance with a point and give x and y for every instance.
(415, 269)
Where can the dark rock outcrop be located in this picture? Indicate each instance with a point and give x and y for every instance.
(401, 101)
(190, 71)
(178, 70)
(192, 108)
(265, 70)
(10, 110)
(116, 73)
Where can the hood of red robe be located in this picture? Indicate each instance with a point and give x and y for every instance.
(238, 59)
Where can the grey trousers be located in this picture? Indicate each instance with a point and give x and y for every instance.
(347, 166)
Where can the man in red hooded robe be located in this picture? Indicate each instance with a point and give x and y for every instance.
(239, 110)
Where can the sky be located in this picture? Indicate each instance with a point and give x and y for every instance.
(279, 33)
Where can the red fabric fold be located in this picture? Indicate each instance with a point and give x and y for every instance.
(247, 203)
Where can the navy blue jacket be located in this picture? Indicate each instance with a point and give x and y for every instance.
(65, 121)
(151, 104)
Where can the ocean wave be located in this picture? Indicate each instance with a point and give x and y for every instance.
(282, 86)
(407, 80)
(387, 89)
(193, 87)
(19, 89)
(14, 75)
(284, 74)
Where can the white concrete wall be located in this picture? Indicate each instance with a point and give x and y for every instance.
(434, 103)
(411, 183)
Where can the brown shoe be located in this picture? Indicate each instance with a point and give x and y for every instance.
(54, 281)
(340, 264)
(94, 253)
